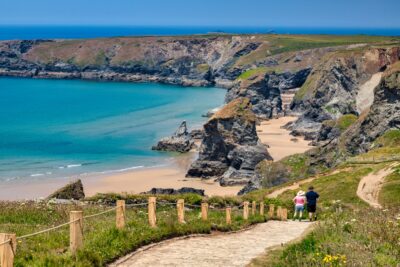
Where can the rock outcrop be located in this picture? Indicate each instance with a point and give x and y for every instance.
(181, 141)
(230, 149)
(171, 191)
(332, 87)
(264, 89)
(73, 190)
(384, 114)
(188, 61)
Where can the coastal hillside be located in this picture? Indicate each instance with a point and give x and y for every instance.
(190, 60)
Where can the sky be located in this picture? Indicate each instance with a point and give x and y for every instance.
(284, 13)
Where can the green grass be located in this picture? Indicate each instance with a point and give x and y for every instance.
(280, 43)
(389, 139)
(346, 121)
(102, 241)
(288, 169)
(202, 68)
(389, 196)
(251, 73)
(366, 237)
(340, 186)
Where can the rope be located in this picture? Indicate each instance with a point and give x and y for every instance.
(100, 213)
(47, 230)
(5, 242)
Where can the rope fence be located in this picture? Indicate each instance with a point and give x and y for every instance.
(8, 241)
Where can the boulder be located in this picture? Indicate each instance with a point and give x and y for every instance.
(181, 141)
(230, 148)
(73, 190)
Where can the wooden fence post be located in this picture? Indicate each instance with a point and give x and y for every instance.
(120, 214)
(180, 205)
(228, 215)
(245, 210)
(204, 211)
(151, 210)
(75, 231)
(279, 213)
(284, 214)
(7, 250)
(271, 211)
(262, 208)
(253, 208)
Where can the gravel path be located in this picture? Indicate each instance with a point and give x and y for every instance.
(236, 249)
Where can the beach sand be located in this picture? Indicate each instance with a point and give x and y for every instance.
(281, 144)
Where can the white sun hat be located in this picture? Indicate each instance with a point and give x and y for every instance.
(301, 193)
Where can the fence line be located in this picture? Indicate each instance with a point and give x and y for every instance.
(46, 230)
(8, 246)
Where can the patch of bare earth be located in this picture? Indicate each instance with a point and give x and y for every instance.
(369, 186)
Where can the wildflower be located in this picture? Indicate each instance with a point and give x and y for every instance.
(353, 220)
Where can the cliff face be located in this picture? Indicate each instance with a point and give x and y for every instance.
(178, 60)
(230, 148)
(332, 88)
(383, 115)
(264, 90)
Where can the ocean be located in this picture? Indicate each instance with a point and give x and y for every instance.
(74, 32)
(62, 128)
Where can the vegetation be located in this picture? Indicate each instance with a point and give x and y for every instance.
(202, 68)
(389, 195)
(274, 44)
(364, 237)
(102, 241)
(240, 107)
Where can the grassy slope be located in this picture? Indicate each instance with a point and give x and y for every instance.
(279, 43)
(371, 236)
(102, 241)
(132, 49)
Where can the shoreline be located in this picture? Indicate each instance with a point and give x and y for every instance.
(279, 140)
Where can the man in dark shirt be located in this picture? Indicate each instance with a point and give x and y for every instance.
(312, 203)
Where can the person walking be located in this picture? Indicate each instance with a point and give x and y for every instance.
(299, 200)
(312, 197)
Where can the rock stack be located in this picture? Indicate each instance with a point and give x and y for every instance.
(181, 141)
(230, 149)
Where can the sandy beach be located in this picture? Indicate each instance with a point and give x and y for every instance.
(280, 142)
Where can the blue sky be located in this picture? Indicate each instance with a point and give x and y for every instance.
(302, 13)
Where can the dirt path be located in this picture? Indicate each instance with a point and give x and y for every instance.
(236, 249)
(369, 186)
(293, 186)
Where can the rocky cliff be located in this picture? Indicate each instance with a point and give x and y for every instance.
(331, 89)
(230, 148)
(383, 115)
(197, 61)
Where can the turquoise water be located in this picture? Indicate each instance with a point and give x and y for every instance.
(59, 128)
(66, 32)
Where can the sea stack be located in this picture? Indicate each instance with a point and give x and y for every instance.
(230, 149)
(181, 141)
